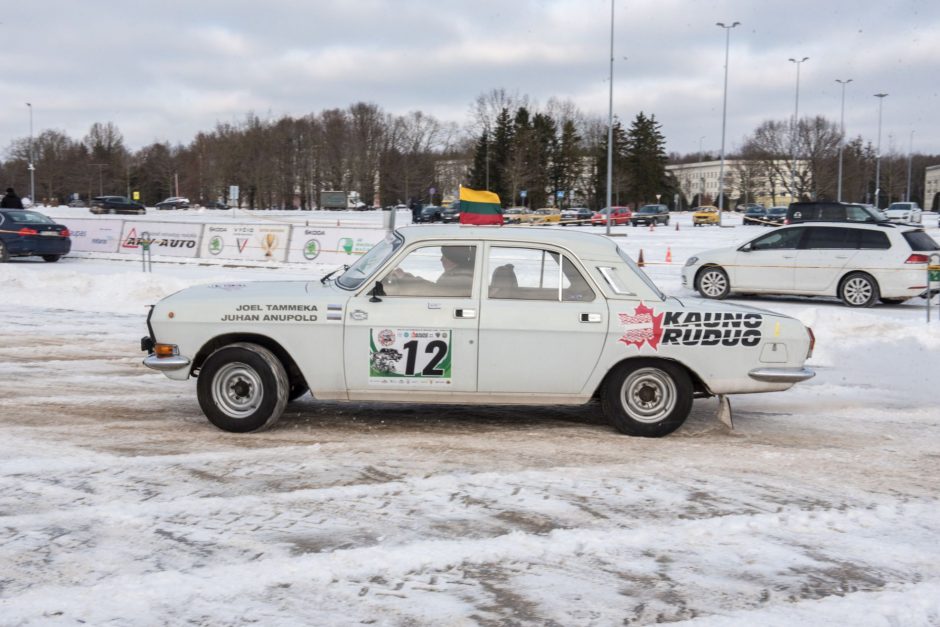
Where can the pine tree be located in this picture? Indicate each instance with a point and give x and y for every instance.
(646, 160)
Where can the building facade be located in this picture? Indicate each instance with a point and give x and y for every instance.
(932, 188)
(745, 182)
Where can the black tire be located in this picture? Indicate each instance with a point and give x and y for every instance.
(712, 282)
(242, 387)
(666, 222)
(647, 398)
(859, 290)
(51, 258)
(4, 253)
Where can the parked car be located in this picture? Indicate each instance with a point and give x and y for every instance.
(215, 204)
(430, 213)
(515, 215)
(77, 202)
(576, 216)
(755, 215)
(618, 216)
(115, 204)
(173, 202)
(705, 215)
(743, 207)
(471, 315)
(27, 233)
(451, 213)
(830, 211)
(650, 214)
(776, 216)
(857, 262)
(904, 212)
(547, 215)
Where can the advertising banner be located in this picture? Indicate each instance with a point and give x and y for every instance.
(175, 239)
(332, 245)
(93, 236)
(250, 242)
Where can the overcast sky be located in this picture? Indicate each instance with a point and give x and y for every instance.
(166, 70)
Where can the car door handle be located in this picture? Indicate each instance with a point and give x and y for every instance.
(465, 313)
(591, 317)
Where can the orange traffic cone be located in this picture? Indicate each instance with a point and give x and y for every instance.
(639, 260)
(668, 255)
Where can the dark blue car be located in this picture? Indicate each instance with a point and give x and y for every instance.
(24, 233)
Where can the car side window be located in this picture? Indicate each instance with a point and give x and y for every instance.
(826, 237)
(433, 271)
(535, 274)
(854, 213)
(873, 240)
(783, 239)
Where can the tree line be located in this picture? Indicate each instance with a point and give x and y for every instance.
(530, 155)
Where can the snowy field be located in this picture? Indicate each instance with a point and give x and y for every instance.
(121, 505)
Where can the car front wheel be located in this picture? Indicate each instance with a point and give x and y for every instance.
(859, 290)
(242, 387)
(647, 398)
(51, 258)
(713, 283)
(4, 253)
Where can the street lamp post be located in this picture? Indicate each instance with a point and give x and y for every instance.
(724, 117)
(910, 160)
(881, 98)
(795, 131)
(610, 122)
(32, 168)
(842, 137)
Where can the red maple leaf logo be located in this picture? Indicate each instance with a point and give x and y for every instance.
(642, 326)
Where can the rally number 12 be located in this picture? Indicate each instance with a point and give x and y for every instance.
(437, 347)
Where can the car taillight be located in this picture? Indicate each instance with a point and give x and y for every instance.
(28, 231)
(812, 342)
(64, 233)
(917, 258)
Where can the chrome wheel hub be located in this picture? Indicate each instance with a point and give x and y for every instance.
(237, 390)
(857, 291)
(648, 395)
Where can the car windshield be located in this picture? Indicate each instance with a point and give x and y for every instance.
(777, 211)
(28, 217)
(365, 266)
(755, 210)
(648, 210)
(639, 272)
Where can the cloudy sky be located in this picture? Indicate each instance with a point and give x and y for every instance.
(166, 70)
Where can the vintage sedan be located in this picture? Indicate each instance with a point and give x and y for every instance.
(472, 315)
(705, 215)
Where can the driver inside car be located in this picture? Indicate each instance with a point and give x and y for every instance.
(456, 280)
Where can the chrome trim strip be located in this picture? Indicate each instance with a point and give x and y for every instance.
(175, 362)
(781, 375)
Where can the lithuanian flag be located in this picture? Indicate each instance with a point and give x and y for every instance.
(479, 207)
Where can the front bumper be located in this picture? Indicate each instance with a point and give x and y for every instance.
(165, 364)
(781, 375)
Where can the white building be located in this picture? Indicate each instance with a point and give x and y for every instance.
(745, 181)
(931, 186)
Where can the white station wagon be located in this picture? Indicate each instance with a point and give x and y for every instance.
(472, 315)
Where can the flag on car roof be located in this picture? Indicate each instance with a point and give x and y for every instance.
(479, 207)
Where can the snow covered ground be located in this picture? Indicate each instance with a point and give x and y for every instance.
(120, 504)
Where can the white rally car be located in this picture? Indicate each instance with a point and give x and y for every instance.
(472, 315)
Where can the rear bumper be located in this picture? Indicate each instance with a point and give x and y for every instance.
(781, 375)
(38, 245)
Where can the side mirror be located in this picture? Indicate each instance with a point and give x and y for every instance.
(377, 291)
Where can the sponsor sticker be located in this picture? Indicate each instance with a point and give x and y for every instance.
(409, 357)
(689, 328)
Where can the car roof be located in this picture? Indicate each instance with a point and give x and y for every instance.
(586, 245)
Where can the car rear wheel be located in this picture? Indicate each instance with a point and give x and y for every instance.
(4, 253)
(713, 282)
(51, 258)
(242, 387)
(647, 398)
(859, 290)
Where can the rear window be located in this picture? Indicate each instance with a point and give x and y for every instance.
(919, 240)
(873, 240)
(27, 217)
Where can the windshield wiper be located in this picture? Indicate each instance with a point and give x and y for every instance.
(327, 277)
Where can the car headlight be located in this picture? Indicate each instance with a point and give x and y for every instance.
(691, 261)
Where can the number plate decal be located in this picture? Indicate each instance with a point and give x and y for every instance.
(410, 357)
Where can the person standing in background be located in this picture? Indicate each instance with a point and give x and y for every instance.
(11, 200)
